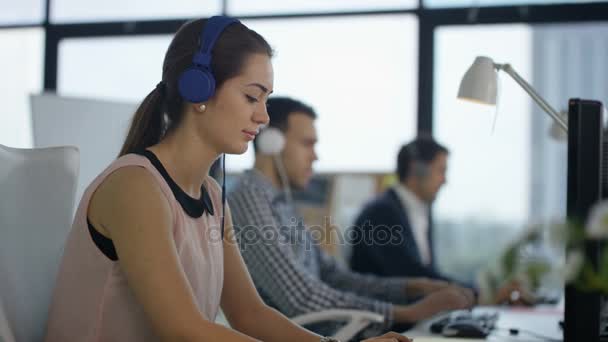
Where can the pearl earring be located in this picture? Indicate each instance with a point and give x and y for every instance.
(202, 107)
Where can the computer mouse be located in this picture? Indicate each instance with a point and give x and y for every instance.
(465, 328)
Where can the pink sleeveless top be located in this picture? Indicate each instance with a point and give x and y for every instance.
(92, 301)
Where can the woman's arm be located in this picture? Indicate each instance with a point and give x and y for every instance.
(130, 208)
(242, 305)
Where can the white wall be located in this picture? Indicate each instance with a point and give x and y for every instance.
(96, 127)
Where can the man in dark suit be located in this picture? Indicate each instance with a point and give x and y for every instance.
(393, 234)
(402, 213)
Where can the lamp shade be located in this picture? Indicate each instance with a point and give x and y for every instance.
(479, 82)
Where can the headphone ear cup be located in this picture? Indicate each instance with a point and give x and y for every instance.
(196, 85)
(421, 170)
(270, 141)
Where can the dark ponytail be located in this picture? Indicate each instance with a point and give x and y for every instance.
(162, 110)
(147, 125)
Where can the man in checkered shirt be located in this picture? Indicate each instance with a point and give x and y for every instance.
(290, 270)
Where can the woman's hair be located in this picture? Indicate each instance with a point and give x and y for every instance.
(162, 110)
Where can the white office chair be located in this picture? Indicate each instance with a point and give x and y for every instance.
(356, 321)
(37, 190)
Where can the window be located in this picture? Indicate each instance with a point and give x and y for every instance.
(21, 69)
(486, 199)
(246, 7)
(126, 68)
(63, 11)
(475, 3)
(506, 175)
(21, 12)
(363, 90)
(568, 62)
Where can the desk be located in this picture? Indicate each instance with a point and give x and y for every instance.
(542, 320)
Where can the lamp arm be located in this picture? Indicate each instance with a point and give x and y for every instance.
(535, 96)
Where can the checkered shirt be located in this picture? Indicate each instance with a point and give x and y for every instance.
(291, 272)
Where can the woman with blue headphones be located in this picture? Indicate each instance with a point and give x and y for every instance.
(147, 258)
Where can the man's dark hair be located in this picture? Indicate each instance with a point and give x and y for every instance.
(423, 150)
(279, 110)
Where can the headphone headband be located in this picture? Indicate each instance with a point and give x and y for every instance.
(197, 83)
(209, 35)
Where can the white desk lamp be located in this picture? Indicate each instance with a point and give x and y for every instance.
(479, 85)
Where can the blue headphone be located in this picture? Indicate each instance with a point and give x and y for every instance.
(197, 84)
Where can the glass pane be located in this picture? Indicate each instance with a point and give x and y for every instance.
(365, 96)
(569, 61)
(98, 11)
(123, 74)
(486, 199)
(247, 7)
(21, 67)
(468, 3)
(343, 87)
(508, 164)
(21, 12)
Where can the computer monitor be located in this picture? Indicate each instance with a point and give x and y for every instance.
(582, 316)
